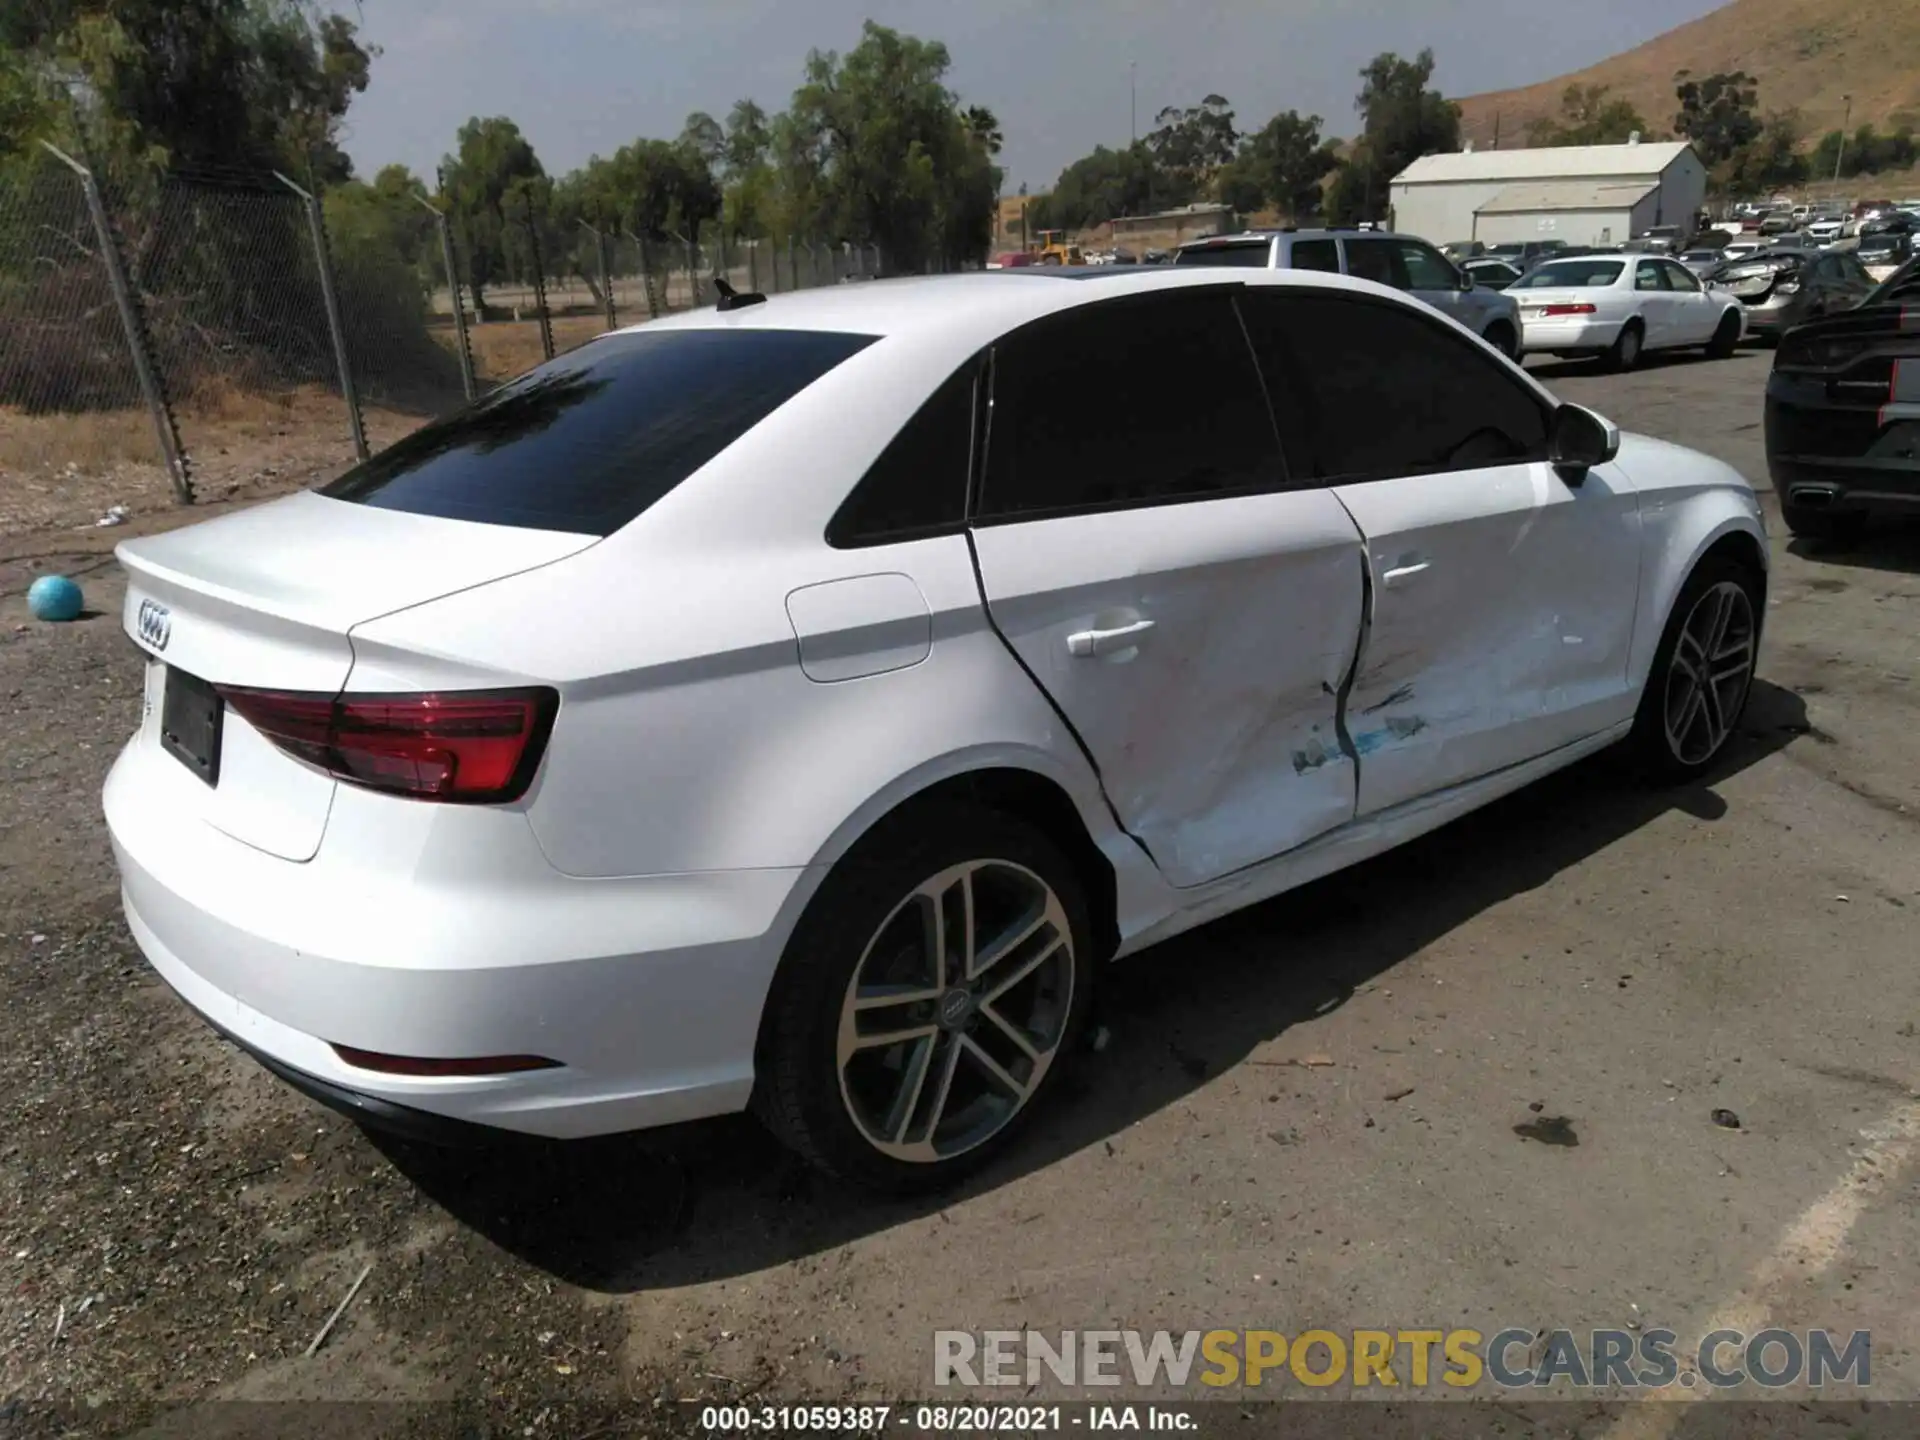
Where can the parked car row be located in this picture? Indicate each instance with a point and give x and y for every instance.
(1403, 262)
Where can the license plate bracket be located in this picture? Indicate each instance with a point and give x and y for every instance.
(191, 712)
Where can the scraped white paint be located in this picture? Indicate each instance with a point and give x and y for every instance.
(1806, 1250)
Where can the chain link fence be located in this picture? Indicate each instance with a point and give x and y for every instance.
(212, 334)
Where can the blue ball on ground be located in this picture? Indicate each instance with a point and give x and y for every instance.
(54, 597)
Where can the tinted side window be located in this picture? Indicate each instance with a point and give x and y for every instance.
(1252, 255)
(587, 441)
(1316, 255)
(1369, 390)
(1127, 403)
(919, 484)
(1680, 278)
(1376, 260)
(1426, 269)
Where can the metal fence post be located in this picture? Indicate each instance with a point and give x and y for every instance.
(654, 306)
(606, 276)
(693, 274)
(453, 291)
(124, 301)
(753, 264)
(317, 223)
(539, 283)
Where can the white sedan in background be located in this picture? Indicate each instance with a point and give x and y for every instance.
(724, 715)
(1618, 307)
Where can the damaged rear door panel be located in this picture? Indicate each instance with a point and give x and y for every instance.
(1192, 617)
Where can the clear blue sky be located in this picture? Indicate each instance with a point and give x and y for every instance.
(586, 76)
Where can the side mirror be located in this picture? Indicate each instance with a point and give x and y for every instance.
(1578, 440)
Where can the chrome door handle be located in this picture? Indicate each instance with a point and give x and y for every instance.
(1105, 642)
(1403, 572)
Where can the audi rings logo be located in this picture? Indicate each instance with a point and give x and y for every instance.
(155, 624)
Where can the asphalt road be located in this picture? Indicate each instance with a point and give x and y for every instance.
(1586, 952)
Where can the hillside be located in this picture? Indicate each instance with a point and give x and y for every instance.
(1806, 54)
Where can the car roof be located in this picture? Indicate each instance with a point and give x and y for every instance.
(982, 304)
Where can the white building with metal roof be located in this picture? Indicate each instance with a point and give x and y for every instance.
(1582, 194)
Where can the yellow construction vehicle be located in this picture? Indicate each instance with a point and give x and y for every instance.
(1051, 248)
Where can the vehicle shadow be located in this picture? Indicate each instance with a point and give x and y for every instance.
(720, 1199)
(1544, 367)
(1890, 545)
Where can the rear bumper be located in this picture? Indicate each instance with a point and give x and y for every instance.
(1570, 335)
(373, 1112)
(1847, 486)
(415, 932)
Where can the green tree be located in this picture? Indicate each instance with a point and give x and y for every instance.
(882, 152)
(488, 184)
(1190, 145)
(1588, 117)
(703, 136)
(1403, 118)
(983, 126)
(1719, 114)
(1097, 188)
(748, 137)
(253, 83)
(1771, 161)
(1282, 164)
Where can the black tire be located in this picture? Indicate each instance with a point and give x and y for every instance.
(1822, 524)
(1726, 338)
(1624, 354)
(1655, 753)
(799, 1091)
(1501, 337)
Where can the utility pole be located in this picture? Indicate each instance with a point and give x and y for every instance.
(1841, 153)
(1133, 102)
(1496, 129)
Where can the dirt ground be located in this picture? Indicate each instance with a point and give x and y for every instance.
(176, 1225)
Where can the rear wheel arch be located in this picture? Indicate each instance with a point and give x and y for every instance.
(1037, 800)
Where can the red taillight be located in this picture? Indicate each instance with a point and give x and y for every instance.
(417, 1065)
(1567, 310)
(474, 746)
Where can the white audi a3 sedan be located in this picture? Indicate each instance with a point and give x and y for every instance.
(791, 706)
(1619, 307)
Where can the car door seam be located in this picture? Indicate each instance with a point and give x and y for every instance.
(1344, 692)
(986, 609)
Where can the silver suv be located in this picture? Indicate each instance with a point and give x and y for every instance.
(1402, 261)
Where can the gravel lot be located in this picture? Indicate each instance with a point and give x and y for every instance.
(176, 1225)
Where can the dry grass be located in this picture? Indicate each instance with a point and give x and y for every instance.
(63, 472)
(504, 348)
(1807, 55)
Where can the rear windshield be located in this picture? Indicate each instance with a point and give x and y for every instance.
(1251, 254)
(590, 439)
(1572, 274)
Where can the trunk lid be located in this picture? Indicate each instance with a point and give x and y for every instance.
(266, 599)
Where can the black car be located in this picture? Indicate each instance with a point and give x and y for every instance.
(1843, 413)
(1785, 285)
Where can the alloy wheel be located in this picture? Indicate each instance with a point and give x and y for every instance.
(1711, 670)
(956, 1011)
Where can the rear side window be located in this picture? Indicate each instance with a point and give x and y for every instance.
(1321, 255)
(1251, 255)
(1376, 260)
(918, 486)
(587, 441)
(1369, 390)
(1127, 403)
